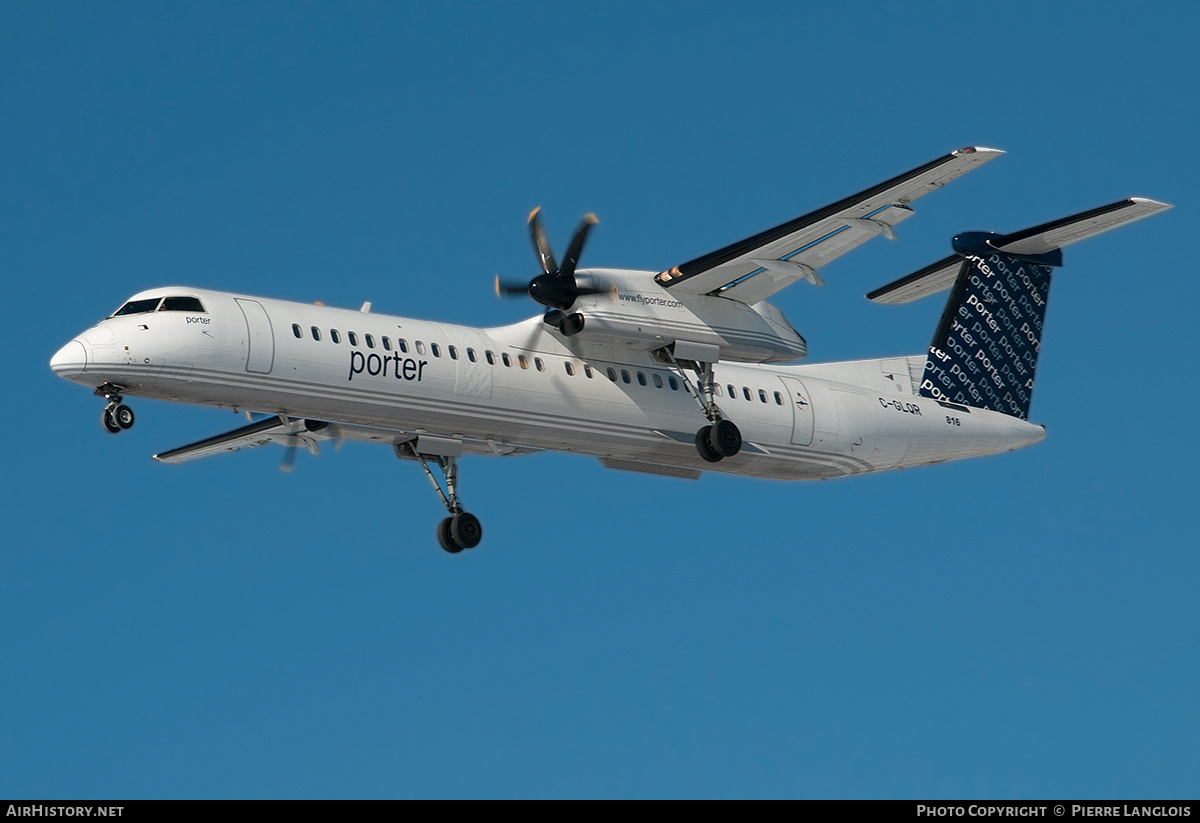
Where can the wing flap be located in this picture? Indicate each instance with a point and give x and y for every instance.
(818, 237)
(771, 277)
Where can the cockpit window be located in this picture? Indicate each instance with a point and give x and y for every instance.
(138, 307)
(181, 304)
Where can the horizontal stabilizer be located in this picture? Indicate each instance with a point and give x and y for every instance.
(1055, 235)
(1039, 240)
(927, 281)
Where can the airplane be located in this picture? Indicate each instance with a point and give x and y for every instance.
(671, 373)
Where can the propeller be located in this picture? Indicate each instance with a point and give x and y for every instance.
(556, 287)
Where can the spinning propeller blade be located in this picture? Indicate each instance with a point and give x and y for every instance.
(541, 245)
(555, 288)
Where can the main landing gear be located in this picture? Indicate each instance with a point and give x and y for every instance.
(116, 416)
(721, 438)
(461, 530)
(718, 441)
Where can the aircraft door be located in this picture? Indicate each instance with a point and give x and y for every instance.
(802, 411)
(260, 342)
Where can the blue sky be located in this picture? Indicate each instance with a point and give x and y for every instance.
(1016, 626)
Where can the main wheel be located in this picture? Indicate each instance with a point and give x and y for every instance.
(110, 425)
(465, 530)
(725, 438)
(444, 538)
(706, 450)
(123, 416)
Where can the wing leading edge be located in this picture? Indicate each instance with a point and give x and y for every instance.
(308, 433)
(270, 430)
(753, 269)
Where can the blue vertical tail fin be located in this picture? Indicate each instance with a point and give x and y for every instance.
(984, 353)
(985, 350)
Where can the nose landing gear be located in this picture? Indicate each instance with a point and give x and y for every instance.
(116, 416)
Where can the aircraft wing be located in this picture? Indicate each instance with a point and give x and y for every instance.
(755, 268)
(269, 430)
(308, 433)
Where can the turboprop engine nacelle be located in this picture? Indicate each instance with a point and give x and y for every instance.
(630, 309)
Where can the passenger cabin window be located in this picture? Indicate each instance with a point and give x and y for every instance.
(641, 379)
(334, 336)
(181, 304)
(471, 355)
(587, 370)
(612, 374)
(436, 349)
(625, 375)
(403, 344)
(387, 344)
(674, 384)
(570, 368)
(453, 352)
(746, 392)
(507, 360)
(138, 307)
(522, 361)
(296, 331)
(537, 361)
(370, 341)
(316, 333)
(778, 399)
(491, 358)
(420, 347)
(762, 395)
(732, 392)
(657, 380)
(353, 338)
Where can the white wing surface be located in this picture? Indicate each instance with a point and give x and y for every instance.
(755, 268)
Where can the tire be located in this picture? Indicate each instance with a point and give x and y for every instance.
(444, 538)
(123, 416)
(465, 530)
(702, 446)
(725, 438)
(110, 425)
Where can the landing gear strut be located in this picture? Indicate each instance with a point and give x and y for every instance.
(461, 530)
(722, 438)
(116, 416)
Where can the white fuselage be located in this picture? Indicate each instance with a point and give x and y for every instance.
(540, 390)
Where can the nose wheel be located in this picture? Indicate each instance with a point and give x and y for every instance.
(116, 415)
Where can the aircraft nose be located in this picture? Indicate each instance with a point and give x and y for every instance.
(70, 361)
